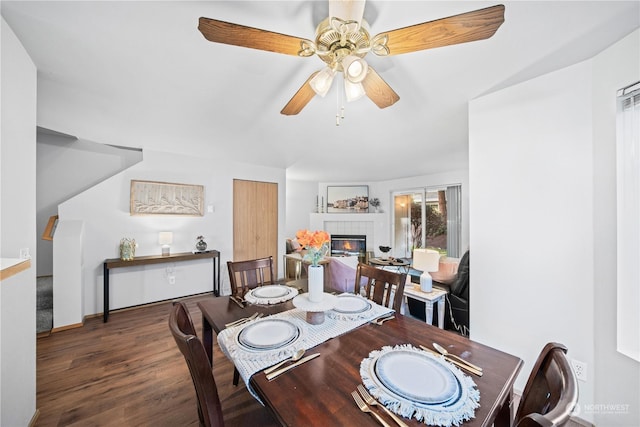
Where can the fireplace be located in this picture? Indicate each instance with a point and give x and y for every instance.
(348, 245)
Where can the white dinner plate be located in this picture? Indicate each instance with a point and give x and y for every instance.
(351, 304)
(268, 334)
(270, 291)
(416, 377)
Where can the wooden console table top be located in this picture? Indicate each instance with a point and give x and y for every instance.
(158, 259)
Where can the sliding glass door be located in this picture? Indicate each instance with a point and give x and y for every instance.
(427, 217)
(407, 223)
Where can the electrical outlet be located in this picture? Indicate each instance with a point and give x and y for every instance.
(580, 369)
(172, 280)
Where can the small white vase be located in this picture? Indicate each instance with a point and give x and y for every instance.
(316, 283)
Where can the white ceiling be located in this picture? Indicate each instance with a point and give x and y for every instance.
(140, 74)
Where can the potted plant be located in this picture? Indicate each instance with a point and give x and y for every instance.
(375, 202)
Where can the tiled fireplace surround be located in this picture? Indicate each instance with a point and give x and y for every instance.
(373, 225)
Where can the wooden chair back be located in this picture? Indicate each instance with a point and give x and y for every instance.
(246, 275)
(181, 326)
(381, 285)
(551, 392)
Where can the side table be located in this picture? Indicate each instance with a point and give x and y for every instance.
(396, 263)
(429, 298)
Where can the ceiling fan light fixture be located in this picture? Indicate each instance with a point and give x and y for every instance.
(353, 91)
(355, 68)
(321, 83)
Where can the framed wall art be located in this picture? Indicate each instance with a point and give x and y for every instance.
(348, 199)
(165, 198)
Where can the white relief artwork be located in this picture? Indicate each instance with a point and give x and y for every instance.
(164, 198)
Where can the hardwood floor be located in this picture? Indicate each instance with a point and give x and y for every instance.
(127, 372)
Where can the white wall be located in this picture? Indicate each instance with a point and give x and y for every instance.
(68, 256)
(301, 201)
(56, 155)
(104, 209)
(542, 217)
(17, 231)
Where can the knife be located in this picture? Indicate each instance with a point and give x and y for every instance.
(380, 320)
(272, 375)
(455, 362)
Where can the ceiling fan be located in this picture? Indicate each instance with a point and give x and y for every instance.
(343, 40)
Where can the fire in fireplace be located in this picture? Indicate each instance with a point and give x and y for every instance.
(348, 245)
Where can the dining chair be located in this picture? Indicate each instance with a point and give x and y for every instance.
(209, 406)
(382, 286)
(246, 275)
(551, 392)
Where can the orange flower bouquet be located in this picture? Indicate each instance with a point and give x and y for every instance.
(316, 243)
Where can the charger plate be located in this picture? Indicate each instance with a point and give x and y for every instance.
(268, 335)
(435, 399)
(415, 377)
(270, 291)
(270, 294)
(351, 304)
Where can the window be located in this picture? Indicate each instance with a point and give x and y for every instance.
(427, 217)
(628, 193)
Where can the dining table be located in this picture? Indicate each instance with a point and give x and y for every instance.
(319, 392)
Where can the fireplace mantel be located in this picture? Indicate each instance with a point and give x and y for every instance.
(348, 217)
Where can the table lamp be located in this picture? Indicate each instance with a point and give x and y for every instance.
(165, 238)
(427, 261)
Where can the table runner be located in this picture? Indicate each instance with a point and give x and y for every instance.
(249, 362)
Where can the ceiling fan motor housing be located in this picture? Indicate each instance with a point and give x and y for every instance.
(333, 45)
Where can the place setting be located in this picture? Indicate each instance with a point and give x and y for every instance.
(270, 294)
(268, 339)
(259, 343)
(414, 383)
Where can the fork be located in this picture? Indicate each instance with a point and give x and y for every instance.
(241, 320)
(364, 408)
(373, 402)
(244, 320)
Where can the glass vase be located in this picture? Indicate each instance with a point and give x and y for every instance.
(127, 249)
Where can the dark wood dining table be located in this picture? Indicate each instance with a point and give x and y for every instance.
(319, 391)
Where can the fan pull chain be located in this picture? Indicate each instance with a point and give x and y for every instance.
(339, 105)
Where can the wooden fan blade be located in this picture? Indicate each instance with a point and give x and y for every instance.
(255, 38)
(378, 90)
(300, 99)
(466, 27)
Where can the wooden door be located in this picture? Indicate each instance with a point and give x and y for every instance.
(255, 220)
